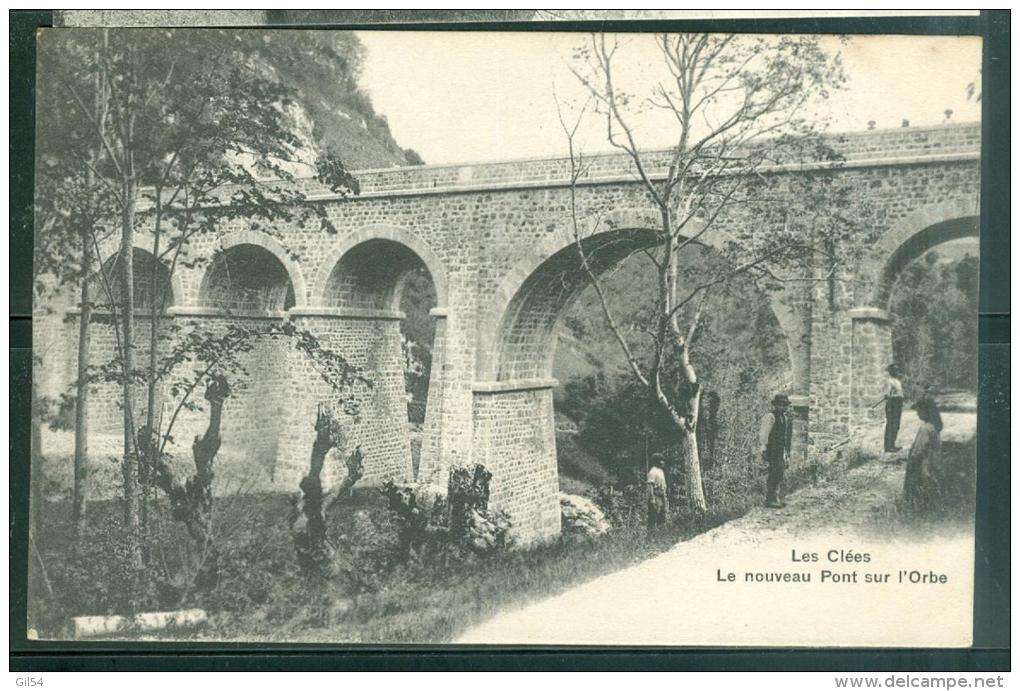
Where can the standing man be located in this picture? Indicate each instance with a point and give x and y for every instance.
(775, 439)
(893, 408)
(658, 503)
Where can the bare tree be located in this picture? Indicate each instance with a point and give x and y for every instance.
(741, 110)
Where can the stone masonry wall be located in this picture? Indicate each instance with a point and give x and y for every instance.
(871, 355)
(430, 468)
(106, 414)
(380, 428)
(515, 438)
(252, 416)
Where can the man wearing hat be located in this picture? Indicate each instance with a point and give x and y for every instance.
(893, 407)
(776, 435)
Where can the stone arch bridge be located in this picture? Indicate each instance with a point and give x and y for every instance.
(493, 238)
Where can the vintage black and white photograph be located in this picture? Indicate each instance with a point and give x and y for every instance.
(504, 337)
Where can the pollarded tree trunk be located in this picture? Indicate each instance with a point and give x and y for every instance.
(308, 523)
(192, 503)
(204, 450)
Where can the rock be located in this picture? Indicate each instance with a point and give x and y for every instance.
(580, 516)
(83, 627)
(428, 494)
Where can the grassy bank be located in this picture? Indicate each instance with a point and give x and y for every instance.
(373, 597)
(262, 595)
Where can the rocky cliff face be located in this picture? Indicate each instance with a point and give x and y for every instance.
(332, 113)
(330, 110)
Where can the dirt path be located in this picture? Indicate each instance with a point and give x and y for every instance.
(678, 598)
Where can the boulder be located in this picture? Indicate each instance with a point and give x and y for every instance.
(580, 516)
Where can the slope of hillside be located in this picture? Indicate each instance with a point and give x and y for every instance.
(324, 68)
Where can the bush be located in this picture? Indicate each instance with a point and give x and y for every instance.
(624, 507)
(435, 524)
(955, 478)
(577, 464)
(99, 580)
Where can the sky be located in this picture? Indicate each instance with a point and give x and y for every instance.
(481, 96)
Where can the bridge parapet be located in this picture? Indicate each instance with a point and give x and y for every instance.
(869, 148)
(877, 146)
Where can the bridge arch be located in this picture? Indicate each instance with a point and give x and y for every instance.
(513, 414)
(144, 263)
(384, 290)
(517, 331)
(252, 272)
(907, 240)
(376, 261)
(871, 323)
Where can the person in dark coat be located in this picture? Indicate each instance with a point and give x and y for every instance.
(775, 439)
(893, 408)
(919, 487)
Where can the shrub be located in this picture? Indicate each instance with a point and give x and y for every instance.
(368, 550)
(624, 507)
(99, 580)
(435, 524)
(955, 478)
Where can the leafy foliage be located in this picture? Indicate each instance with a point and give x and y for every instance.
(739, 347)
(418, 328)
(935, 337)
(196, 119)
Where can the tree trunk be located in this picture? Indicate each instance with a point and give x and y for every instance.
(36, 477)
(192, 503)
(81, 415)
(129, 464)
(309, 520)
(81, 410)
(686, 479)
(200, 489)
(145, 462)
(690, 456)
(691, 469)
